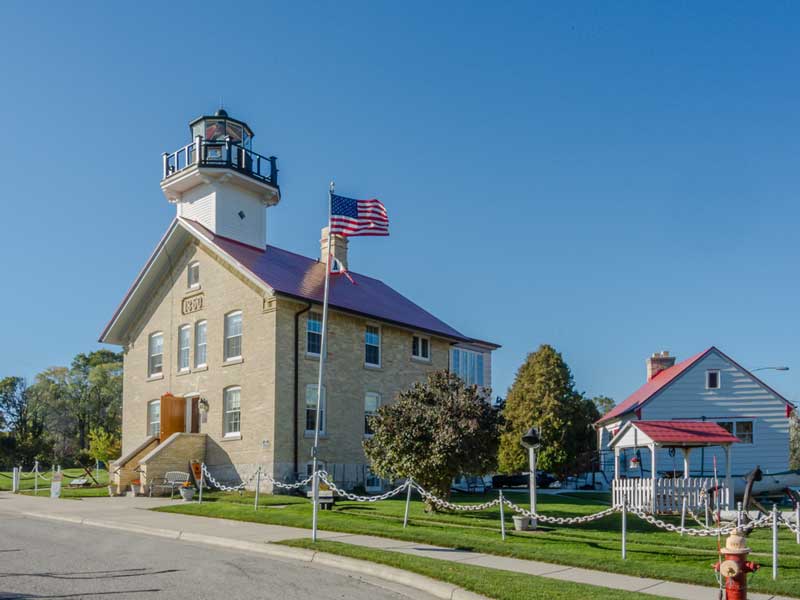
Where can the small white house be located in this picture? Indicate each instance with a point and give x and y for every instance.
(708, 387)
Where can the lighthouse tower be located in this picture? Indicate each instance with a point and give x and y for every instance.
(218, 181)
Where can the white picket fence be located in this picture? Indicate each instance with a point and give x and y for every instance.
(669, 493)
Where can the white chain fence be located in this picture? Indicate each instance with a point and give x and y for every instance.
(324, 476)
(561, 520)
(442, 503)
(207, 476)
(764, 521)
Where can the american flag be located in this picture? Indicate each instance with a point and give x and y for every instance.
(350, 217)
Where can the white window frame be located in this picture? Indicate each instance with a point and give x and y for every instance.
(367, 327)
(197, 344)
(734, 430)
(719, 379)
(225, 411)
(193, 283)
(311, 395)
(228, 337)
(310, 332)
(150, 421)
(419, 355)
(480, 365)
(151, 372)
(367, 413)
(187, 349)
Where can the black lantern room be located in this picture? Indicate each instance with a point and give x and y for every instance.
(220, 127)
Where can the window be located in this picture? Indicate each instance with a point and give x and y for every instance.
(314, 333)
(232, 410)
(155, 353)
(468, 365)
(193, 275)
(183, 347)
(420, 347)
(154, 418)
(372, 483)
(741, 429)
(233, 335)
(372, 346)
(200, 357)
(311, 409)
(712, 380)
(371, 403)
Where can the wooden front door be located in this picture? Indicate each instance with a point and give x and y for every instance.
(195, 425)
(173, 415)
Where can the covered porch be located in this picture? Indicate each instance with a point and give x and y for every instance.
(656, 494)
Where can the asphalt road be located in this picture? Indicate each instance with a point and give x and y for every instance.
(44, 559)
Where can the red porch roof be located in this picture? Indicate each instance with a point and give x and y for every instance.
(685, 432)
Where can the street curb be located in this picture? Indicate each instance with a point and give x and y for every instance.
(434, 587)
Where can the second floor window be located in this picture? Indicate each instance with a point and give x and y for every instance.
(311, 409)
(741, 429)
(184, 345)
(468, 365)
(155, 354)
(420, 347)
(154, 418)
(193, 275)
(712, 380)
(314, 333)
(233, 335)
(232, 408)
(200, 345)
(371, 403)
(372, 346)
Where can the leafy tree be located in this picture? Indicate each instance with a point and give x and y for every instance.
(103, 446)
(543, 395)
(435, 431)
(25, 441)
(794, 441)
(603, 404)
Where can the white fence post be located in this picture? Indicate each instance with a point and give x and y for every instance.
(738, 515)
(775, 541)
(624, 526)
(683, 514)
(14, 489)
(408, 502)
(258, 486)
(36, 478)
(502, 518)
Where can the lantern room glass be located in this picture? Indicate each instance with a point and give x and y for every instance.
(216, 129)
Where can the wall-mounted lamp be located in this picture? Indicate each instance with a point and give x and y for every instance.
(203, 405)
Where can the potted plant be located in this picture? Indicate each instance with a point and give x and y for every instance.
(521, 523)
(187, 491)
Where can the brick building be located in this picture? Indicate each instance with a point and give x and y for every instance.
(221, 333)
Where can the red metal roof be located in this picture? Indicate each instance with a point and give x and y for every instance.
(302, 277)
(685, 432)
(644, 393)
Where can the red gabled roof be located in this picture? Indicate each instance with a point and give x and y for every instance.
(685, 432)
(644, 393)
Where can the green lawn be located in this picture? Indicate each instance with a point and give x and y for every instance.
(27, 485)
(503, 585)
(651, 552)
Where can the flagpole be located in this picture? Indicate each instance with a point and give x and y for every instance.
(322, 355)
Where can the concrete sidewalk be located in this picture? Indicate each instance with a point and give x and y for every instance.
(131, 514)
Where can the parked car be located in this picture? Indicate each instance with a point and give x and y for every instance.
(473, 484)
(543, 480)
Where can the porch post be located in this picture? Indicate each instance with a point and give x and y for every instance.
(653, 471)
(728, 478)
(686, 452)
(616, 463)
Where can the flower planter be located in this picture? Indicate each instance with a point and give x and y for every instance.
(522, 523)
(187, 493)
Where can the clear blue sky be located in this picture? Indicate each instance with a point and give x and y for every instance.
(610, 178)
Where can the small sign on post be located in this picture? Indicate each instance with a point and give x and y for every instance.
(55, 486)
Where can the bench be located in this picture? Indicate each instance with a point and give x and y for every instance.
(171, 480)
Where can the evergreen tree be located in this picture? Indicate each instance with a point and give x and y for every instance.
(543, 395)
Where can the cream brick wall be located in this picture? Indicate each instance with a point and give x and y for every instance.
(347, 382)
(174, 454)
(223, 291)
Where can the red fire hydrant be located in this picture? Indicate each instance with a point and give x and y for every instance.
(736, 567)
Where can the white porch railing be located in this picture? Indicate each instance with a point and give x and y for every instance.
(669, 493)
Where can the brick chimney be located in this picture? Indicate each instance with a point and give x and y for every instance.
(338, 248)
(659, 362)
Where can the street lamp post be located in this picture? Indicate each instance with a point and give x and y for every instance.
(531, 441)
